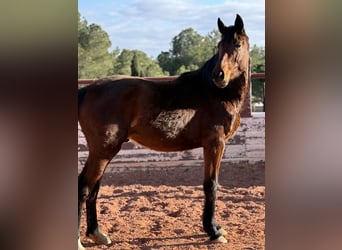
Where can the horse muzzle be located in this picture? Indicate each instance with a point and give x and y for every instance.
(220, 79)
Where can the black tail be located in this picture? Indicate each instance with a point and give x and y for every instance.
(81, 93)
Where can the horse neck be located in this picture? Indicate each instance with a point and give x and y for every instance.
(234, 93)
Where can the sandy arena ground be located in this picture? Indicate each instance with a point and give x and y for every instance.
(162, 209)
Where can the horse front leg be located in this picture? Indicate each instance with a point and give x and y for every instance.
(212, 157)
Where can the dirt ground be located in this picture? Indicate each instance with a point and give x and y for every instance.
(162, 209)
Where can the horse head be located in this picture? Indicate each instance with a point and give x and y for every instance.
(233, 53)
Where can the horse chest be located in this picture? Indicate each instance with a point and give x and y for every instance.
(232, 127)
(226, 114)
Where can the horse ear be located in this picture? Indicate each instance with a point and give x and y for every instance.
(220, 25)
(239, 27)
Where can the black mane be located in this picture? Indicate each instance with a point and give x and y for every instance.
(206, 71)
(204, 74)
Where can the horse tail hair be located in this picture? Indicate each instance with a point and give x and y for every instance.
(81, 93)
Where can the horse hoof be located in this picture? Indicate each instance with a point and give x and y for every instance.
(222, 231)
(220, 239)
(80, 246)
(100, 238)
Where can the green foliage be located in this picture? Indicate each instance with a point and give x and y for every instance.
(258, 86)
(189, 51)
(165, 61)
(135, 66)
(136, 63)
(83, 32)
(154, 69)
(122, 64)
(184, 69)
(257, 55)
(186, 48)
(94, 59)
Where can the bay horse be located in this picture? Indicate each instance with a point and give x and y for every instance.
(200, 108)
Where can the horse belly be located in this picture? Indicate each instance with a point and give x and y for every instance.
(160, 144)
(168, 131)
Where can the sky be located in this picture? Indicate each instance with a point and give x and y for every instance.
(150, 25)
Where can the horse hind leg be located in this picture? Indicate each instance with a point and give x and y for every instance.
(93, 231)
(88, 187)
(82, 194)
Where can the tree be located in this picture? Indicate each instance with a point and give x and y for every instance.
(100, 60)
(83, 32)
(135, 66)
(136, 63)
(257, 55)
(189, 50)
(154, 69)
(94, 59)
(122, 64)
(114, 56)
(166, 63)
(184, 69)
(211, 41)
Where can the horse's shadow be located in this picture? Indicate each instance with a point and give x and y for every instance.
(198, 240)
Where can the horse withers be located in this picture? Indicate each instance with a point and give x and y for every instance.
(200, 108)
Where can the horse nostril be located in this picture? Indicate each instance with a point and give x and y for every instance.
(220, 75)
